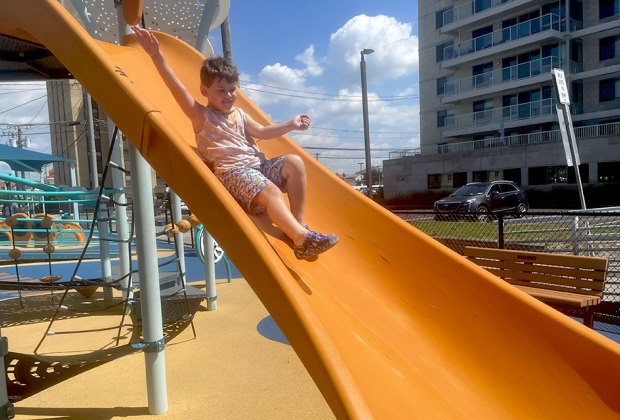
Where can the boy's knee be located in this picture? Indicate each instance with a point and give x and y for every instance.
(294, 163)
(269, 193)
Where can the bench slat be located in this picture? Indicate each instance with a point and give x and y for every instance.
(578, 261)
(557, 270)
(570, 299)
(547, 282)
(525, 275)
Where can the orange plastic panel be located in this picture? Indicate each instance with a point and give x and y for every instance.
(389, 323)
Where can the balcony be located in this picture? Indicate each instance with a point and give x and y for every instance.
(492, 119)
(477, 10)
(581, 133)
(513, 77)
(548, 26)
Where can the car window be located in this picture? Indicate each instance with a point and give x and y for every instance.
(495, 188)
(508, 188)
(470, 189)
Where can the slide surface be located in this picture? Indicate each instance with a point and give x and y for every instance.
(389, 323)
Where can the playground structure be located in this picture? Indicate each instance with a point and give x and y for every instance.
(389, 321)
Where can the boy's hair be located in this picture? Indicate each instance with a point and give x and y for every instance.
(216, 68)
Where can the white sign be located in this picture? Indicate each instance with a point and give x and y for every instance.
(560, 83)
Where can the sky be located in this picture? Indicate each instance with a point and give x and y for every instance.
(304, 57)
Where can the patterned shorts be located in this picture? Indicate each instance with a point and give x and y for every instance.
(245, 183)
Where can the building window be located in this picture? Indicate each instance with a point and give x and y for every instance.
(609, 172)
(482, 37)
(608, 90)
(483, 111)
(542, 175)
(441, 85)
(434, 181)
(459, 179)
(445, 119)
(607, 48)
(437, 181)
(513, 175)
(444, 17)
(441, 118)
(441, 52)
(483, 74)
(480, 176)
(608, 8)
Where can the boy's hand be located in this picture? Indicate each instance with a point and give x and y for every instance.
(301, 122)
(147, 40)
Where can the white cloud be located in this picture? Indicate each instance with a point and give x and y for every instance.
(312, 68)
(395, 47)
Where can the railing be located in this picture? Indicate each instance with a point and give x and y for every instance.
(496, 116)
(581, 133)
(505, 75)
(469, 9)
(528, 28)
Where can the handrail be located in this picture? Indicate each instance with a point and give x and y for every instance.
(497, 116)
(505, 75)
(551, 136)
(472, 8)
(550, 21)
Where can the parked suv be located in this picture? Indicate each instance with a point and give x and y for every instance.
(483, 198)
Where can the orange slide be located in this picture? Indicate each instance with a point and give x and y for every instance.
(389, 323)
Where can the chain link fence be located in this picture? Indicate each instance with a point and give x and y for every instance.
(589, 233)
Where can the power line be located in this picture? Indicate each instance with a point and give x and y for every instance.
(25, 103)
(322, 96)
(351, 149)
(11, 92)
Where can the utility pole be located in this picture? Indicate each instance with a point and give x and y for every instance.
(364, 52)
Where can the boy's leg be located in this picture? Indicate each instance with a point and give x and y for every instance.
(272, 199)
(294, 176)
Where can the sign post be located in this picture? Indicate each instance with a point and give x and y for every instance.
(566, 129)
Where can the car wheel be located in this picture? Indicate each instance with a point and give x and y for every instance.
(482, 214)
(521, 208)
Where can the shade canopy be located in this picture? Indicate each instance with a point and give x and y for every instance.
(27, 160)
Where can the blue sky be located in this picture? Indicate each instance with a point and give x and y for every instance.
(304, 56)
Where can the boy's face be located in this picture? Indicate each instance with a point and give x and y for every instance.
(221, 95)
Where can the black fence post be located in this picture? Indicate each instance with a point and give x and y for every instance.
(500, 230)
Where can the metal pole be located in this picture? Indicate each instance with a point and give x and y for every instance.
(572, 141)
(152, 330)
(75, 206)
(366, 128)
(202, 43)
(208, 13)
(226, 42)
(6, 407)
(144, 217)
(209, 248)
(566, 128)
(179, 237)
(90, 134)
(102, 226)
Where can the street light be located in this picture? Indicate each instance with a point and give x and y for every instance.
(366, 51)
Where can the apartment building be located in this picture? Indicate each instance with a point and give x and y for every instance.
(487, 101)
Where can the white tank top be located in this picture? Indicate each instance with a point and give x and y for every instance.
(223, 143)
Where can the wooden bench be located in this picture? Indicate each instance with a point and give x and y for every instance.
(573, 282)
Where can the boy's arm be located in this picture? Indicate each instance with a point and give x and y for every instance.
(258, 131)
(188, 104)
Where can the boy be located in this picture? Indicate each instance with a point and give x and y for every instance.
(225, 138)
